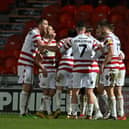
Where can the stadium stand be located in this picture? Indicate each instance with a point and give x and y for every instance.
(18, 16)
(22, 15)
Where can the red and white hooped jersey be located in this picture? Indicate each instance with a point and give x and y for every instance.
(66, 62)
(112, 40)
(83, 53)
(28, 51)
(49, 58)
(122, 65)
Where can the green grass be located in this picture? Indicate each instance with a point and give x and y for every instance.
(15, 122)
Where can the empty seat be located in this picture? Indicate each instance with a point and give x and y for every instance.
(66, 20)
(11, 65)
(29, 25)
(62, 33)
(70, 9)
(86, 8)
(97, 17)
(103, 9)
(116, 18)
(119, 10)
(14, 42)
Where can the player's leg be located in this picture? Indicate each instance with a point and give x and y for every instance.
(97, 111)
(102, 96)
(112, 101)
(90, 102)
(69, 84)
(52, 90)
(75, 93)
(43, 84)
(83, 103)
(58, 97)
(69, 102)
(90, 85)
(26, 78)
(119, 95)
(60, 82)
(110, 78)
(77, 77)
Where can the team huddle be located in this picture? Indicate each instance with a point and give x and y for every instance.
(91, 69)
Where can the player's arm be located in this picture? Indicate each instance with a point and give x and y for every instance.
(50, 48)
(109, 55)
(122, 55)
(38, 62)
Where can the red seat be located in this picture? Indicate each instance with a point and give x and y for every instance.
(103, 9)
(4, 6)
(70, 9)
(116, 18)
(83, 16)
(62, 33)
(14, 42)
(119, 10)
(86, 8)
(97, 17)
(127, 67)
(66, 20)
(127, 16)
(11, 65)
(51, 11)
(2, 69)
(29, 25)
(2, 54)
(84, 13)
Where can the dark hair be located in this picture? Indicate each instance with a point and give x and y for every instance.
(72, 33)
(106, 23)
(81, 24)
(40, 20)
(89, 28)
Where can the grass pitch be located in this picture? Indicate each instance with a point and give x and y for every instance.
(13, 121)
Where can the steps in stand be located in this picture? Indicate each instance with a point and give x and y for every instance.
(6, 80)
(28, 11)
(8, 33)
(41, 3)
(22, 18)
(2, 42)
(11, 26)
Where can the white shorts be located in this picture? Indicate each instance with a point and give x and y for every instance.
(25, 74)
(49, 81)
(86, 80)
(64, 79)
(110, 77)
(121, 78)
(101, 79)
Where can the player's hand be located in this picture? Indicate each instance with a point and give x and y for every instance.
(52, 36)
(102, 68)
(44, 71)
(122, 56)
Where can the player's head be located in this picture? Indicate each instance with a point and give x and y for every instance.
(81, 27)
(50, 31)
(42, 24)
(72, 33)
(98, 33)
(89, 30)
(106, 27)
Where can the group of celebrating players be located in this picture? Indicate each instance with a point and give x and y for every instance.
(84, 65)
